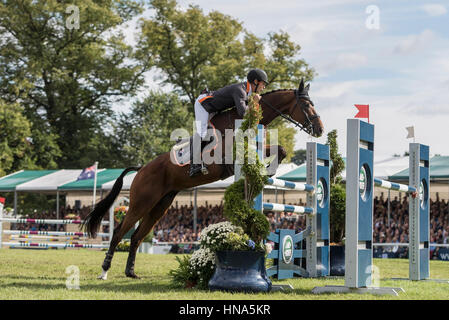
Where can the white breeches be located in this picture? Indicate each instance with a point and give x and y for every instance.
(201, 117)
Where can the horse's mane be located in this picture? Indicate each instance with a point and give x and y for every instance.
(277, 90)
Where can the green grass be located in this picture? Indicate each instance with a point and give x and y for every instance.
(33, 274)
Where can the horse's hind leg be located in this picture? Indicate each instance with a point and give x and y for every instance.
(144, 228)
(135, 213)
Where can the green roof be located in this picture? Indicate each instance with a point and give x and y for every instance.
(88, 184)
(296, 175)
(299, 174)
(9, 183)
(439, 169)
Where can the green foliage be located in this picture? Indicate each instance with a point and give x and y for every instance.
(337, 209)
(15, 149)
(149, 237)
(145, 131)
(239, 197)
(66, 78)
(299, 157)
(338, 165)
(338, 191)
(195, 270)
(182, 275)
(194, 50)
(283, 67)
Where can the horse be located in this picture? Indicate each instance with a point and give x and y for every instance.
(158, 182)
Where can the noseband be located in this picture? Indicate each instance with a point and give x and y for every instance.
(308, 126)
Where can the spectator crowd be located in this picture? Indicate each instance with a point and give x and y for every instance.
(176, 226)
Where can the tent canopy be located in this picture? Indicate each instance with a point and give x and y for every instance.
(103, 176)
(10, 182)
(395, 169)
(439, 170)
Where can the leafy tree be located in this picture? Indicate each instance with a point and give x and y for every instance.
(193, 50)
(283, 68)
(299, 157)
(66, 69)
(15, 133)
(145, 131)
(337, 190)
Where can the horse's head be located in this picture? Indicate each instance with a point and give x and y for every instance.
(295, 106)
(304, 112)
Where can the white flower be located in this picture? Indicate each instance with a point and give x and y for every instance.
(268, 247)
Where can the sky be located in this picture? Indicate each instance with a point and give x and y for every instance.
(392, 55)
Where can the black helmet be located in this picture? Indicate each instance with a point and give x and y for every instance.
(258, 74)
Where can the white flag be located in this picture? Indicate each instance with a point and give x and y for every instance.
(411, 132)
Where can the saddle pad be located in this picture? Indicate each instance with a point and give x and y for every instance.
(180, 153)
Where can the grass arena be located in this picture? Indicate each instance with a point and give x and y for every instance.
(29, 274)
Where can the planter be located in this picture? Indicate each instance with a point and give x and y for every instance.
(240, 271)
(337, 260)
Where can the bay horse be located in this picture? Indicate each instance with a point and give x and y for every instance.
(157, 183)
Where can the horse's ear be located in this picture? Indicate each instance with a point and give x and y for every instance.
(301, 85)
(307, 87)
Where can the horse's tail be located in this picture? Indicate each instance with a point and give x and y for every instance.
(93, 220)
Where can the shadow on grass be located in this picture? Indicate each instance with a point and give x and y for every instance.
(144, 286)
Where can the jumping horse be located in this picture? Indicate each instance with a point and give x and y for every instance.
(157, 183)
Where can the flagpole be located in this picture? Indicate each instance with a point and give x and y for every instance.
(95, 184)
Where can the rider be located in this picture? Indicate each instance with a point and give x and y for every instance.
(232, 96)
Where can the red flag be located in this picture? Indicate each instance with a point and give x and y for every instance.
(2, 200)
(363, 111)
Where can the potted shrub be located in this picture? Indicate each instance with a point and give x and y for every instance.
(232, 254)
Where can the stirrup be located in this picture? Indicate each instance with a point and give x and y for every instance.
(204, 170)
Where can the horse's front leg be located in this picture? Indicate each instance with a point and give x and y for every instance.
(277, 153)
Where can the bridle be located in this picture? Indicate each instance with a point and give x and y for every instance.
(308, 126)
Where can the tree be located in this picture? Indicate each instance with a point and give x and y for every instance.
(299, 157)
(337, 190)
(145, 131)
(66, 69)
(283, 67)
(193, 50)
(15, 132)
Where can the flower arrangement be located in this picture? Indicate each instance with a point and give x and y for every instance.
(72, 216)
(197, 269)
(119, 213)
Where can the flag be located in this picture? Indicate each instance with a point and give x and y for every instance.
(363, 111)
(88, 173)
(410, 132)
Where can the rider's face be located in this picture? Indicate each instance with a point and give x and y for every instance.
(260, 87)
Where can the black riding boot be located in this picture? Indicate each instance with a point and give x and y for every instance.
(196, 168)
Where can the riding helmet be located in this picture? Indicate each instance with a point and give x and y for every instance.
(258, 74)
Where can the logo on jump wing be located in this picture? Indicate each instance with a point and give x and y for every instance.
(287, 249)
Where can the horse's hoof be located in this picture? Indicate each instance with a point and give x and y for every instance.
(103, 276)
(132, 275)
